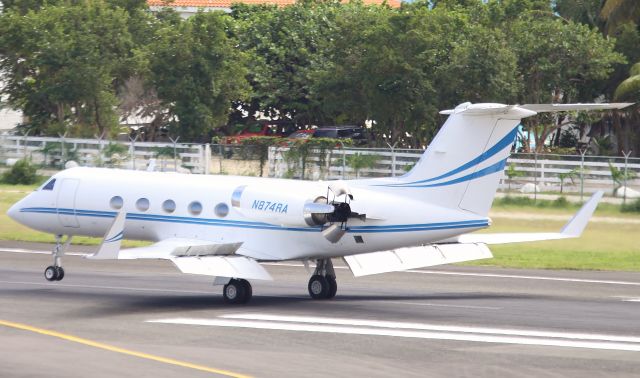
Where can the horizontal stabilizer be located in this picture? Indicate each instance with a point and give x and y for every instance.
(222, 266)
(545, 108)
(415, 257)
(526, 110)
(572, 229)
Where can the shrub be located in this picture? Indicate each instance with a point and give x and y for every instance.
(560, 202)
(632, 207)
(22, 172)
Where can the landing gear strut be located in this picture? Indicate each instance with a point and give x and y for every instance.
(323, 285)
(237, 291)
(55, 272)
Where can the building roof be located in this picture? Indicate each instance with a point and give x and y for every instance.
(227, 3)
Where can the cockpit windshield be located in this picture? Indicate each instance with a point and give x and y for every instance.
(49, 185)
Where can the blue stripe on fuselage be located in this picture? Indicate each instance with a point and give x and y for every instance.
(259, 225)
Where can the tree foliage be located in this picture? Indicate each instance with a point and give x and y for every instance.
(77, 66)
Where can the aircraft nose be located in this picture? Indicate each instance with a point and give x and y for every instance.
(14, 211)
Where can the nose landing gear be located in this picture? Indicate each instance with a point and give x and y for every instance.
(322, 284)
(55, 272)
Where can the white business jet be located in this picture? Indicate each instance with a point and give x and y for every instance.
(224, 226)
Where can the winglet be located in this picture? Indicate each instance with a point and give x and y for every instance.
(110, 247)
(577, 224)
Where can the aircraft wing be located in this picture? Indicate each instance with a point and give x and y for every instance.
(191, 256)
(466, 247)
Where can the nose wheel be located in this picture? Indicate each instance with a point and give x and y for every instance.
(55, 272)
(323, 285)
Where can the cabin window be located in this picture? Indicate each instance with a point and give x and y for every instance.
(49, 185)
(221, 210)
(116, 202)
(169, 206)
(142, 204)
(195, 208)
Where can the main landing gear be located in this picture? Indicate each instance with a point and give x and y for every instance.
(323, 285)
(237, 290)
(55, 272)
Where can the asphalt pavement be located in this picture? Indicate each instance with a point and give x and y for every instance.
(145, 319)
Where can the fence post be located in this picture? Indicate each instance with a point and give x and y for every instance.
(207, 158)
(393, 158)
(175, 152)
(344, 158)
(25, 141)
(132, 151)
(63, 149)
(535, 176)
(582, 153)
(624, 193)
(99, 138)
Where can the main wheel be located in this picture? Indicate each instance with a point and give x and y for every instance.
(234, 292)
(60, 273)
(333, 287)
(51, 273)
(248, 291)
(318, 287)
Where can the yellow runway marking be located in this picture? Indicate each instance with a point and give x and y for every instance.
(112, 348)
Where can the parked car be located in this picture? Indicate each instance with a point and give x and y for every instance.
(301, 134)
(355, 133)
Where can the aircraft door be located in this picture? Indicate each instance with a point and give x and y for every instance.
(67, 203)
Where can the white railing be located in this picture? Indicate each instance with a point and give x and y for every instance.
(545, 170)
(90, 152)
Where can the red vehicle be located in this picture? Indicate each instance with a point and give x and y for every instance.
(273, 128)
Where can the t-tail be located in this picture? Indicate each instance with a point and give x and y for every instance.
(463, 165)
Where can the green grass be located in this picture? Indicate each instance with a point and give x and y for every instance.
(525, 204)
(604, 246)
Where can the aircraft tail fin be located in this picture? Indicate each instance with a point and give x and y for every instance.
(110, 246)
(463, 165)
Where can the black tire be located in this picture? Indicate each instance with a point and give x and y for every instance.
(248, 290)
(60, 275)
(234, 292)
(318, 287)
(51, 273)
(333, 287)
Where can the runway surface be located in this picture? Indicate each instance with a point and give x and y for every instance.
(144, 319)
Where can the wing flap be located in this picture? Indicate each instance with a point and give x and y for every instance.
(176, 247)
(415, 257)
(222, 266)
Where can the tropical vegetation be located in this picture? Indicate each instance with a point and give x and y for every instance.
(79, 67)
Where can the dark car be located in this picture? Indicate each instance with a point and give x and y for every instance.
(355, 133)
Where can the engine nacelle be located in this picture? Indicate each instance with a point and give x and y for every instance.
(278, 206)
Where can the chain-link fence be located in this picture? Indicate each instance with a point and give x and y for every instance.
(533, 172)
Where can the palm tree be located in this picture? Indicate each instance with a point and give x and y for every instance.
(629, 89)
(617, 12)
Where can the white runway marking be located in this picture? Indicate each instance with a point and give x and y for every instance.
(444, 305)
(57, 284)
(562, 279)
(34, 252)
(437, 272)
(414, 330)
